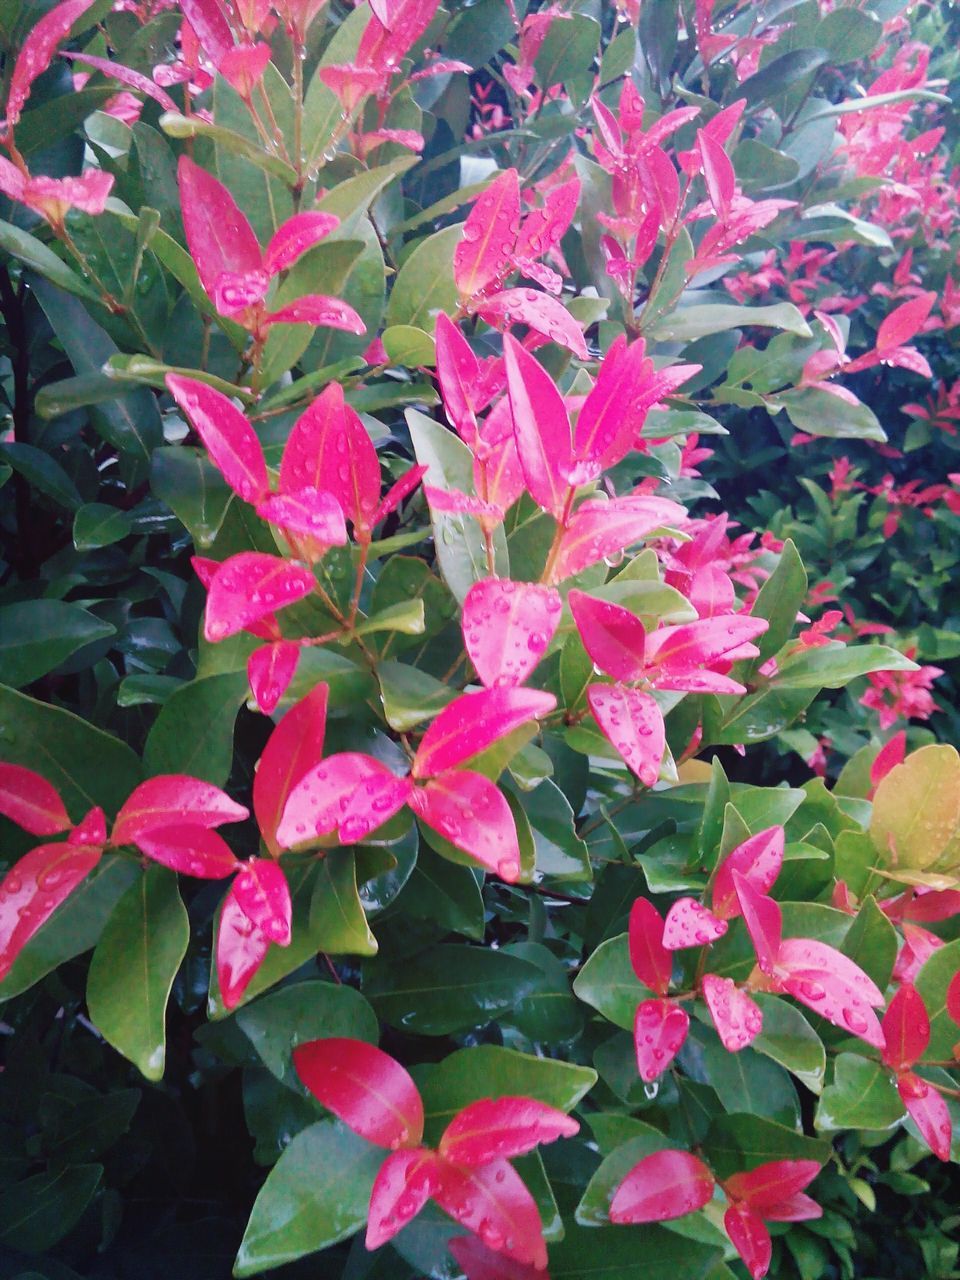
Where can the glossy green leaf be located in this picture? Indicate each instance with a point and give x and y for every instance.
(788, 1038)
(98, 525)
(193, 733)
(687, 323)
(36, 1213)
(862, 1095)
(607, 982)
(337, 921)
(37, 635)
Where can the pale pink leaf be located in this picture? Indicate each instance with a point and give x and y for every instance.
(929, 1112)
(309, 512)
(263, 895)
(663, 1186)
(321, 311)
(758, 859)
(540, 312)
(601, 529)
(373, 803)
(319, 798)
(507, 627)
(690, 924)
(270, 670)
(241, 950)
(737, 1018)
(764, 922)
(402, 1187)
(808, 953)
(682, 649)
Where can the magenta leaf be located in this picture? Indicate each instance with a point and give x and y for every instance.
(219, 237)
(367, 1089)
(171, 799)
(320, 311)
(496, 1128)
(929, 1112)
(34, 887)
(475, 721)
(758, 860)
(663, 1186)
(295, 236)
(612, 636)
(737, 1018)
(250, 586)
(507, 627)
(659, 1029)
(541, 428)
(540, 312)
(320, 797)
(293, 749)
(690, 924)
(651, 961)
(192, 850)
(764, 922)
(458, 372)
(36, 54)
(374, 801)
(402, 1187)
(263, 895)
(483, 255)
(471, 812)
(270, 670)
(228, 437)
(494, 1203)
(31, 801)
(241, 950)
(633, 723)
(310, 512)
(601, 529)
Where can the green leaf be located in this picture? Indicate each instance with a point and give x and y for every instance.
(608, 983)
(630, 1253)
(780, 74)
(281, 1020)
(177, 126)
(405, 617)
(133, 968)
(872, 943)
(849, 105)
(748, 1082)
(407, 345)
(316, 1194)
(594, 1207)
(425, 284)
(861, 1096)
(833, 665)
(41, 472)
(738, 1142)
(816, 411)
(186, 480)
(87, 766)
(916, 809)
(194, 731)
(688, 323)
(779, 600)
(788, 1038)
(561, 853)
(38, 1212)
(35, 254)
(444, 893)
(762, 168)
(38, 635)
(98, 525)
(459, 543)
(410, 696)
(848, 34)
(448, 988)
(566, 55)
(337, 921)
(549, 1014)
(932, 983)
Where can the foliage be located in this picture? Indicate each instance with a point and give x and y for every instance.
(395, 760)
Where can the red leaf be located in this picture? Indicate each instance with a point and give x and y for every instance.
(126, 75)
(458, 372)
(475, 721)
(193, 850)
(633, 723)
(612, 636)
(403, 1186)
(172, 799)
(250, 586)
(538, 311)
(36, 53)
(750, 1238)
(718, 172)
(737, 1019)
(219, 237)
(319, 798)
(651, 961)
(471, 812)
(542, 229)
(241, 950)
(888, 757)
(366, 1088)
(659, 1030)
(294, 748)
(399, 491)
(310, 512)
(903, 323)
(295, 236)
(227, 436)
(320, 311)
(768, 1185)
(477, 1262)
(493, 1203)
(34, 887)
(541, 428)
(329, 449)
(501, 1128)
(373, 803)
(91, 829)
(764, 922)
(270, 670)
(507, 627)
(211, 27)
(795, 1208)
(678, 650)
(758, 860)
(600, 529)
(690, 924)
(906, 1029)
(929, 1112)
(664, 1185)
(31, 801)
(489, 235)
(263, 895)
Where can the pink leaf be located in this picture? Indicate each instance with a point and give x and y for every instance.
(270, 670)
(243, 66)
(828, 996)
(398, 492)
(953, 998)
(295, 236)
(365, 1088)
(329, 449)
(682, 649)
(320, 311)
(475, 721)
(170, 799)
(453, 502)
(263, 895)
(493, 1203)
(750, 1238)
(319, 799)
(502, 1128)
(373, 803)
(471, 812)
(248, 587)
(764, 922)
(612, 636)
(241, 950)
(541, 428)
(403, 1186)
(309, 512)
(539, 312)
(903, 323)
(190, 849)
(717, 172)
(758, 860)
(607, 424)
(737, 1019)
(633, 723)
(219, 237)
(663, 1186)
(500, 475)
(507, 627)
(807, 953)
(126, 75)
(651, 961)
(211, 26)
(228, 437)
(478, 1262)
(31, 801)
(601, 529)
(37, 52)
(34, 887)
(458, 372)
(292, 750)
(929, 1112)
(659, 1029)
(91, 829)
(542, 229)
(888, 757)
(489, 234)
(690, 924)
(770, 1185)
